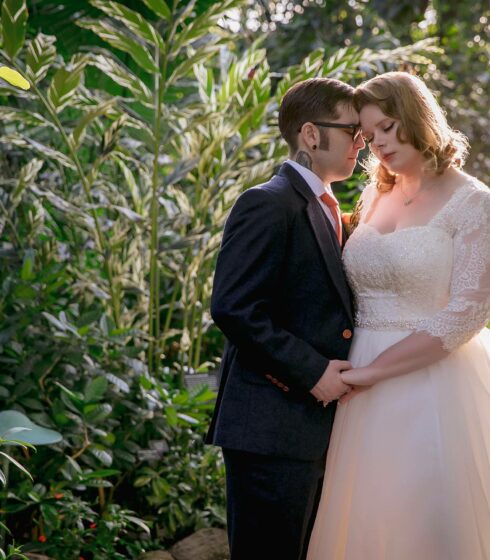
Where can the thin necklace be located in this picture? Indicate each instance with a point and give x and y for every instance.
(409, 200)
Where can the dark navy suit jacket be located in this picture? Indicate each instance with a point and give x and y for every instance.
(281, 299)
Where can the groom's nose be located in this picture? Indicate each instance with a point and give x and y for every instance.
(359, 143)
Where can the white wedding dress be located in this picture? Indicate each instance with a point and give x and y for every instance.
(408, 467)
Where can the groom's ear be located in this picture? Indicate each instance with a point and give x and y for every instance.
(308, 135)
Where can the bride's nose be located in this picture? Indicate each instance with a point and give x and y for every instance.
(377, 141)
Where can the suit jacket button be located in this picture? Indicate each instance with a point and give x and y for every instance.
(347, 334)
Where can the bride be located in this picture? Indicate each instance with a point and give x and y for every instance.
(408, 468)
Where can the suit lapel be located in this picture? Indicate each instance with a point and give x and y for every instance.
(324, 234)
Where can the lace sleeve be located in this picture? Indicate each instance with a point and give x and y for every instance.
(468, 309)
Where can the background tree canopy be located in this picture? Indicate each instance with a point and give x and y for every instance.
(144, 121)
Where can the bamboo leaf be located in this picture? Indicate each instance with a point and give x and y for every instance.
(130, 214)
(121, 40)
(40, 55)
(14, 18)
(200, 25)
(134, 21)
(11, 114)
(159, 7)
(23, 141)
(187, 65)
(309, 68)
(132, 185)
(122, 76)
(27, 175)
(79, 131)
(65, 83)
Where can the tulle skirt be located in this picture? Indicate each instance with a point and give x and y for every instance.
(408, 467)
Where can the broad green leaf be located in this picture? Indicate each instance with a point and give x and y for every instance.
(13, 78)
(96, 389)
(134, 21)
(121, 40)
(95, 413)
(51, 515)
(26, 272)
(98, 483)
(171, 415)
(159, 7)
(64, 85)
(99, 474)
(102, 455)
(40, 55)
(79, 131)
(14, 18)
(123, 76)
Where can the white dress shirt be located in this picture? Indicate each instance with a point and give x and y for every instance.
(317, 186)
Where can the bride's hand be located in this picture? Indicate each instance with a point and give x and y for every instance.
(364, 376)
(360, 379)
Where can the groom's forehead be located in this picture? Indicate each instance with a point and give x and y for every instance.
(347, 111)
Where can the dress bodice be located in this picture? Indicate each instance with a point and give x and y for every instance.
(433, 278)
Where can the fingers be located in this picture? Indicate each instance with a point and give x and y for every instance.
(344, 364)
(339, 365)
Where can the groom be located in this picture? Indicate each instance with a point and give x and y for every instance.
(281, 299)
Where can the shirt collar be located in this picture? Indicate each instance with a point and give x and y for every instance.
(312, 180)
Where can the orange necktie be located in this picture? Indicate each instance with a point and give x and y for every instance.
(333, 205)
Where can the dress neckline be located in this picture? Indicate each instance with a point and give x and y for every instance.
(444, 207)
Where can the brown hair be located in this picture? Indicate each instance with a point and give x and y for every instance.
(311, 100)
(405, 97)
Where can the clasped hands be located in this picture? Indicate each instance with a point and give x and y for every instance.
(341, 381)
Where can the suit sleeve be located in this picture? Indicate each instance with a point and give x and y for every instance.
(248, 272)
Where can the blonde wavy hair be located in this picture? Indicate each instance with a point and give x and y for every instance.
(405, 97)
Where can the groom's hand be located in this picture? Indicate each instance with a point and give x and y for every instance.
(330, 386)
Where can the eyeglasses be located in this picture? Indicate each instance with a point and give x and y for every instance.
(354, 128)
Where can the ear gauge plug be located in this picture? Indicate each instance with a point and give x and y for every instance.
(314, 147)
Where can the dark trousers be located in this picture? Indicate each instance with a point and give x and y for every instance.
(272, 503)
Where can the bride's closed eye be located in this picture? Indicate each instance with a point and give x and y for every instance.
(369, 139)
